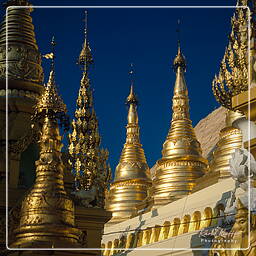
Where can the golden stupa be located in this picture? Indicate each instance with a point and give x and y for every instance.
(47, 216)
(181, 163)
(230, 138)
(132, 179)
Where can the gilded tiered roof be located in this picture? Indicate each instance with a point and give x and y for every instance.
(181, 163)
(132, 178)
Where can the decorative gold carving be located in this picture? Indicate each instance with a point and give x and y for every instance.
(88, 161)
(132, 178)
(242, 236)
(181, 163)
(19, 93)
(24, 60)
(233, 75)
(135, 182)
(19, 146)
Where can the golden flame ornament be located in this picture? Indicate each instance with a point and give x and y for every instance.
(233, 77)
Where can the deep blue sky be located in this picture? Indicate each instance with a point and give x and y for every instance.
(147, 38)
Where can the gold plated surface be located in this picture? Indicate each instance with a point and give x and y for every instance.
(88, 160)
(47, 213)
(181, 163)
(233, 75)
(230, 139)
(132, 178)
(24, 60)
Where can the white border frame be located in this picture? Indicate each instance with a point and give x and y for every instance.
(121, 7)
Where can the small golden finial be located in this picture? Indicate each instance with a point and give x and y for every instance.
(53, 44)
(178, 32)
(85, 57)
(50, 100)
(132, 99)
(179, 60)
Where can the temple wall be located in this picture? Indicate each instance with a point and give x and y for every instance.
(155, 229)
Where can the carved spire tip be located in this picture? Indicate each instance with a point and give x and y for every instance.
(179, 60)
(132, 99)
(85, 57)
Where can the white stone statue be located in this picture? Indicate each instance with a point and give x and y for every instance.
(243, 171)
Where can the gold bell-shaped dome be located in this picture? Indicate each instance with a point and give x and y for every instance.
(230, 138)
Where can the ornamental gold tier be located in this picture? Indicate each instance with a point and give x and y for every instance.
(24, 59)
(182, 162)
(132, 178)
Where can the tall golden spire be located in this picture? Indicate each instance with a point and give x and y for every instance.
(181, 162)
(24, 60)
(233, 76)
(88, 161)
(132, 178)
(47, 213)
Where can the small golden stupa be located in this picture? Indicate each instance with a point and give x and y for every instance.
(47, 213)
(230, 138)
(182, 162)
(132, 178)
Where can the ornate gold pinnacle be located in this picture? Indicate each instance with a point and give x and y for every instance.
(132, 179)
(181, 162)
(24, 60)
(88, 161)
(47, 213)
(233, 76)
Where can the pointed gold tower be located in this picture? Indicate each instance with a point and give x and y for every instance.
(132, 178)
(182, 162)
(88, 160)
(47, 213)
